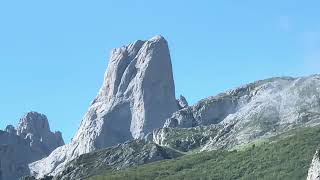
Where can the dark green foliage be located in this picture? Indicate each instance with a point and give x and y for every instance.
(286, 156)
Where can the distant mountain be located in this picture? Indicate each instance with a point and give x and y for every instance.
(30, 141)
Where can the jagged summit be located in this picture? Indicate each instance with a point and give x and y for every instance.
(158, 38)
(29, 142)
(137, 95)
(11, 129)
(182, 102)
(35, 127)
(139, 76)
(33, 122)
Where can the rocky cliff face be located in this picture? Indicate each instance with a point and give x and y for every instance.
(260, 109)
(34, 127)
(137, 95)
(30, 141)
(182, 102)
(314, 171)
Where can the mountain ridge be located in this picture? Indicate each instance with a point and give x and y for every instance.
(198, 138)
(31, 140)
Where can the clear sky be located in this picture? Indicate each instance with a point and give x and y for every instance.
(53, 54)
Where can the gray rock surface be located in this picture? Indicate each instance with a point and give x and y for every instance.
(314, 171)
(260, 109)
(15, 154)
(35, 128)
(185, 139)
(182, 102)
(137, 95)
(31, 141)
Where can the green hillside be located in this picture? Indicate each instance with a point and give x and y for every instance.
(285, 156)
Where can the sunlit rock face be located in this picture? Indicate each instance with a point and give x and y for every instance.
(137, 96)
(314, 171)
(35, 127)
(29, 142)
(260, 109)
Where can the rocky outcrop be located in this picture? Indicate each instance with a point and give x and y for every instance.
(260, 109)
(137, 95)
(182, 102)
(314, 171)
(34, 127)
(29, 142)
(185, 139)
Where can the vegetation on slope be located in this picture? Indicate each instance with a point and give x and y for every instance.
(286, 156)
(128, 154)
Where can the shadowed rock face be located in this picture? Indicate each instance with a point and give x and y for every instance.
(137, 95)
(31, 141)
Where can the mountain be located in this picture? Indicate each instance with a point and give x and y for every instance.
(257, 110)
(136, 119)
(30, 141)
(35, 127)
(137, 96)
(260, 113)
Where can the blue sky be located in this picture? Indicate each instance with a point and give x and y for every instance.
(53, 54)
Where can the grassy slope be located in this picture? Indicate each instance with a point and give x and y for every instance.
(287, 156)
